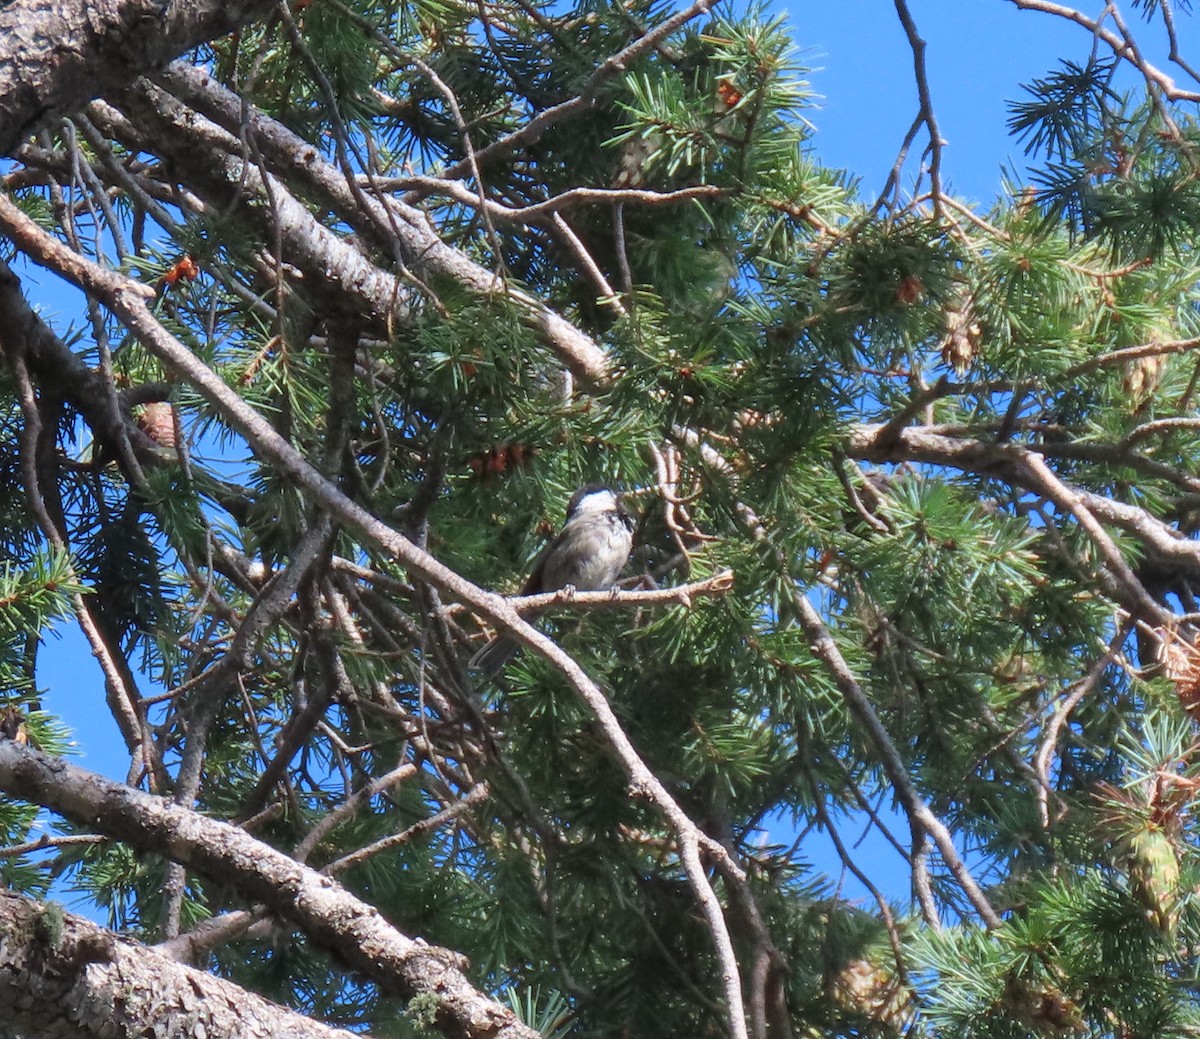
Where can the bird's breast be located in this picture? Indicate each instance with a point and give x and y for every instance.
(591, 555)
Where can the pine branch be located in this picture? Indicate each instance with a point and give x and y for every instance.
(332, 916)
(388, 221)
(128, 300)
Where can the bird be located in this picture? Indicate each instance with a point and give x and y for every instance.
(587, 555)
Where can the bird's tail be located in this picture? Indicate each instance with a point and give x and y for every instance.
(490, 660)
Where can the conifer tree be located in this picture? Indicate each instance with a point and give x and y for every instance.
(353, 295)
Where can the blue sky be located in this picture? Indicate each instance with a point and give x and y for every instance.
(979, 51)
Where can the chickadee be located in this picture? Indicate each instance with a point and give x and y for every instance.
(587, 554)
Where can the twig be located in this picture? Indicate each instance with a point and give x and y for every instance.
(587, 264)
(1066, 498)
(891, 429)
(469, 150)
(538, 211)
(474, 796)
(334, 818)
(885, 911)
(122, 696)
(46, 841)
(1049, 741)
(927, 115)
(1131, 353)
(623, 196)
(922, 885)
(868, 517)
(891, 186)
(1152, 87)
(1173, 40)
(1120, 47)
(1148, 429)
(679, 595)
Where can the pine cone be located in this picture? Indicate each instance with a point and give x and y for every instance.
(1142, 376)
(157, 421)
(634, 155)
(960, 345)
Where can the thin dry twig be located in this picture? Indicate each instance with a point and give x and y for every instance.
(587, 264)
(926, 114)
(64, 840)
(1168, 17)
(335, 817)
(1131, 353)
(474, 796)
(122, 697)
(1120, 46)
(678, 595)
(1049, 742)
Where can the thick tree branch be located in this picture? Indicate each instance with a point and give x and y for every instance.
(332, 916)
(62, 976)
(227, 179)
(387, 222)
(56, 56)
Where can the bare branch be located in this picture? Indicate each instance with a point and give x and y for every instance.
(451, 812)
(1074, 695)
(679, 595)
(926, 114)
(1120, 47)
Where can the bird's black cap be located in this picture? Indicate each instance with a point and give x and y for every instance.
(584, 491)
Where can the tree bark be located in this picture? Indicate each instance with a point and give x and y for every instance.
(56, 56)
(63, 976)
